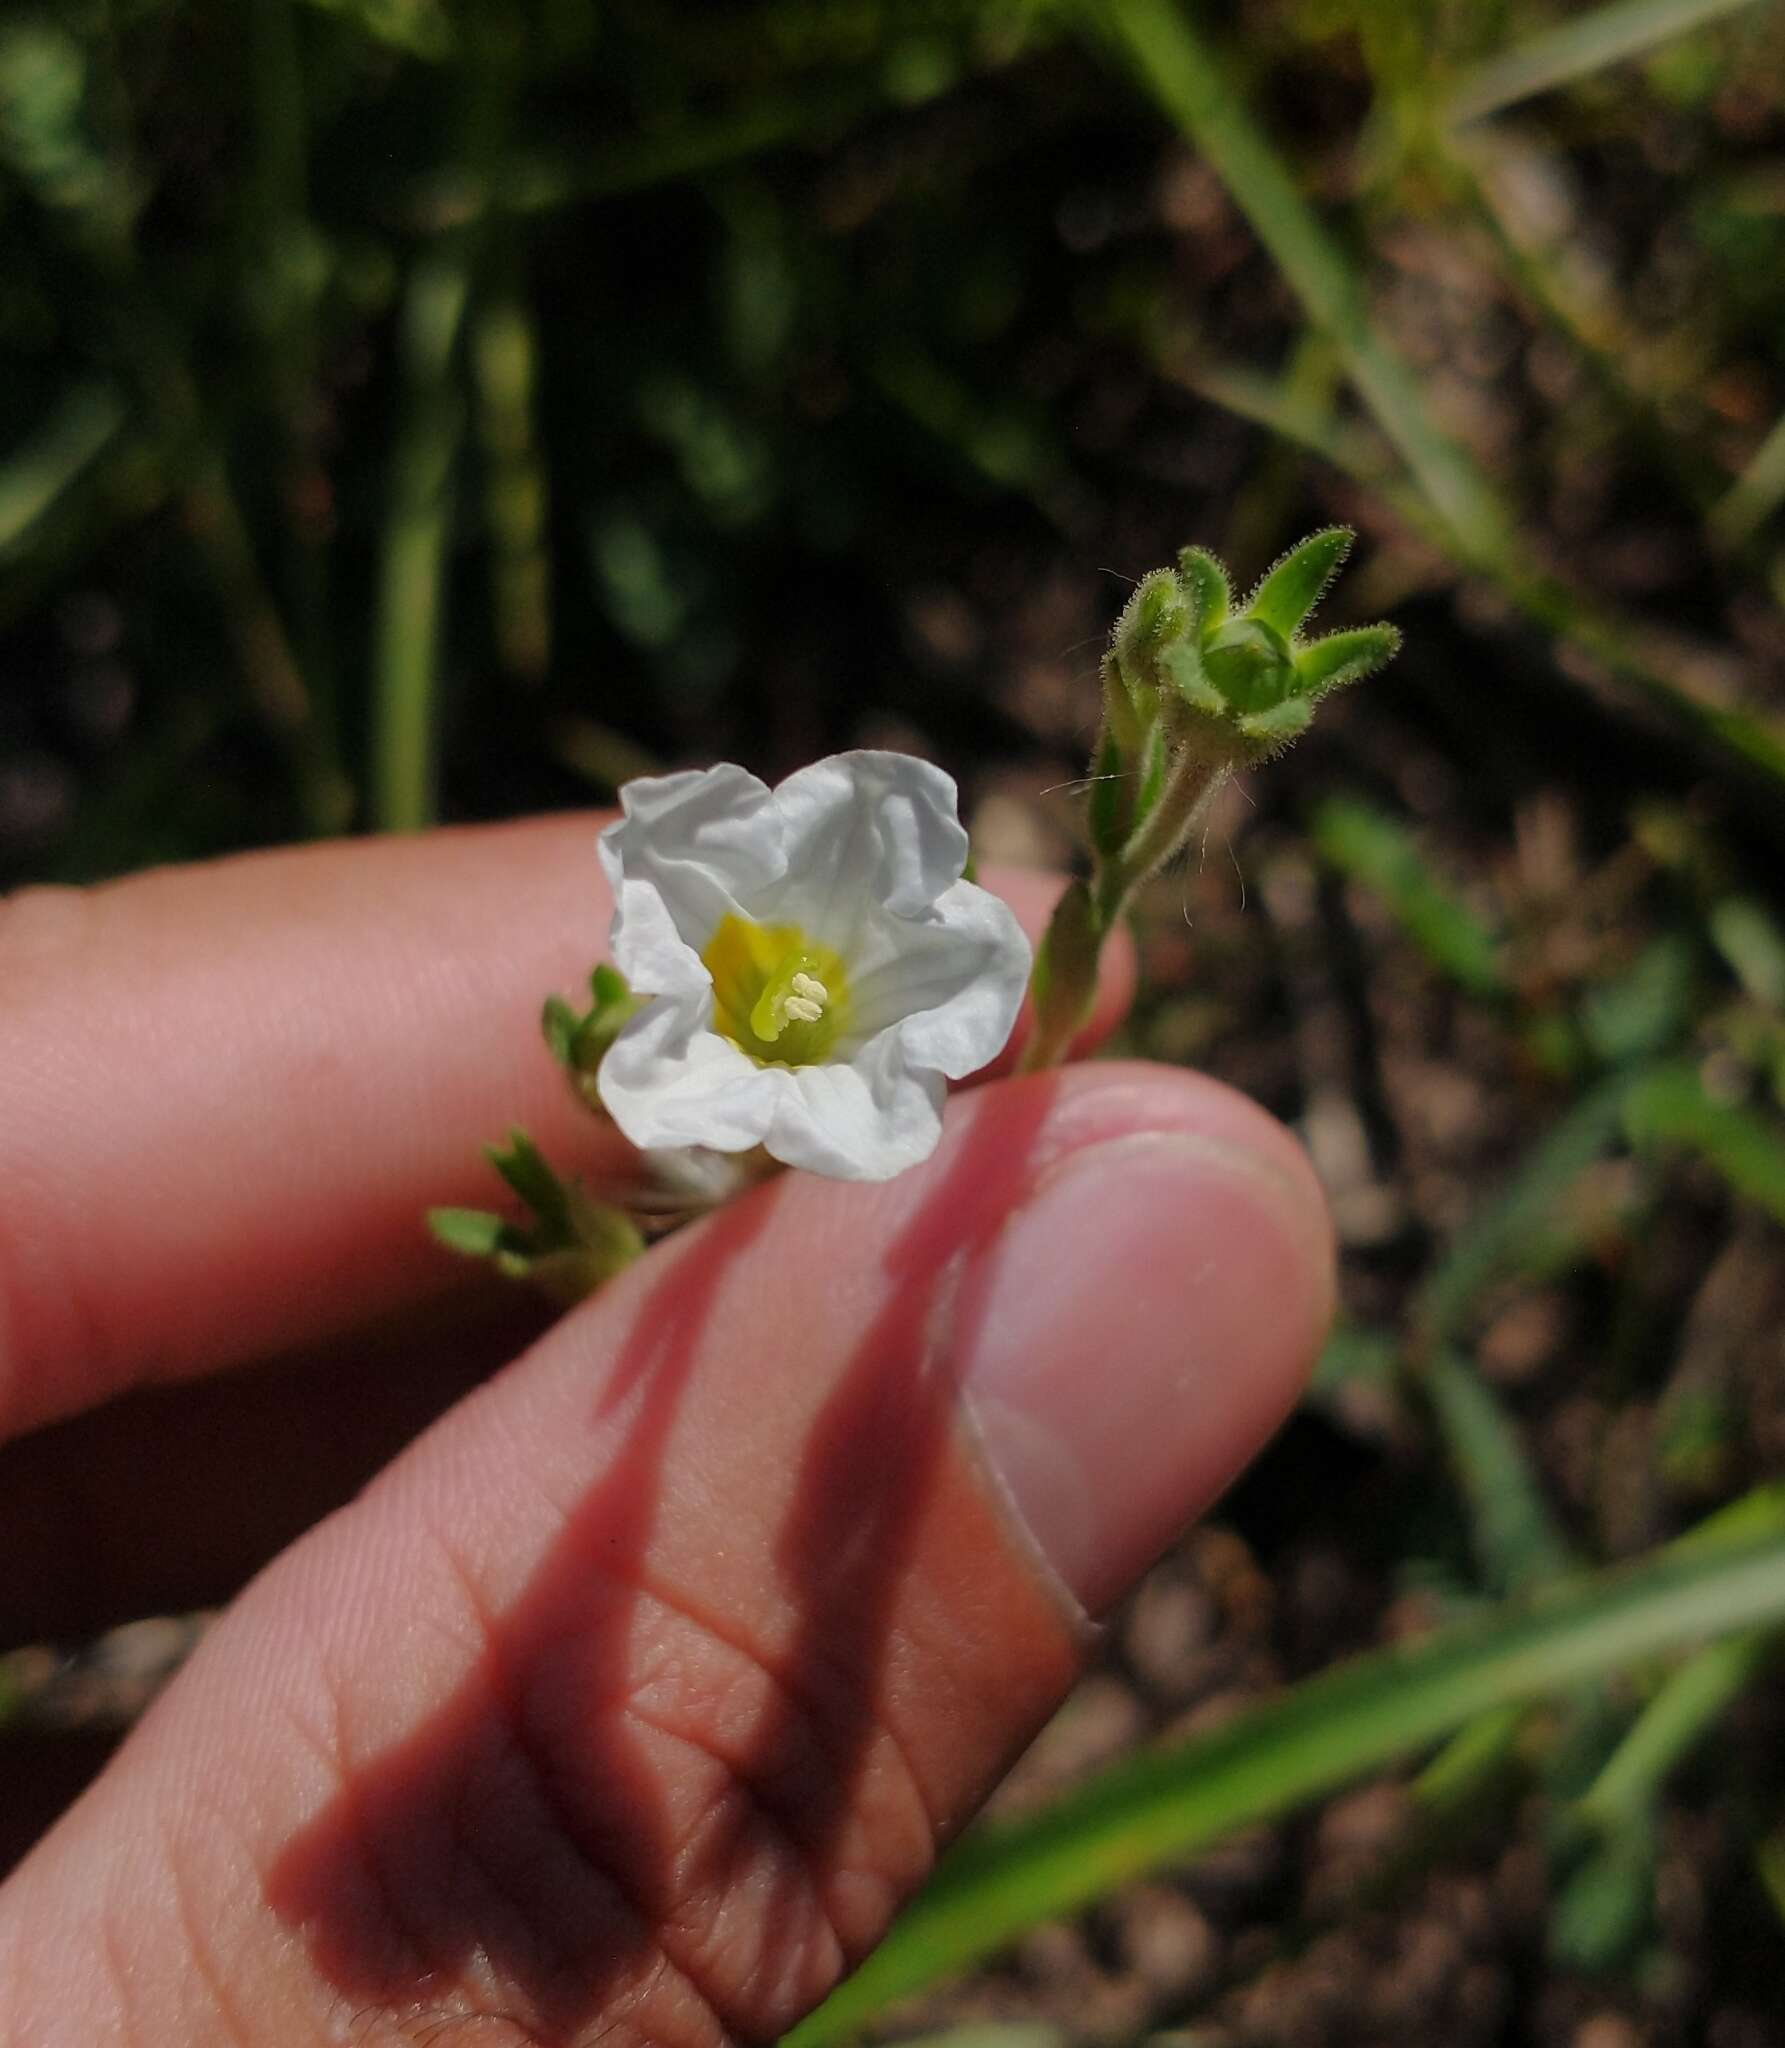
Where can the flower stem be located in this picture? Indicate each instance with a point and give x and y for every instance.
(1066, 966)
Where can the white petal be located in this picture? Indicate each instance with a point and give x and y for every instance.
(864, 1121)
(964, 983)
(867, 828)
(688, 849)
(668, 1080)
(865, 852)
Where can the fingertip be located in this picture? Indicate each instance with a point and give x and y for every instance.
(1152, 1313)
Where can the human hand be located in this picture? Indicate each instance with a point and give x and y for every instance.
(632, 1696)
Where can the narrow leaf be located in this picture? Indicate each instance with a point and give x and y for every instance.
(473, 1232)
(1518, 1543)
(1575, 48)
(1294, 586)
(1673, 1107)
(1357, 1718)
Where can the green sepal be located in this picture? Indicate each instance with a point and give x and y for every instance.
(1293, 586)
(1205, 584)
(579, 1041)
(1153, 620)
(1268, 732)
(1183, 668)
(524, 1167)
(1337, 659)
(476, 1233)
(558, 1022)
(567, 1246)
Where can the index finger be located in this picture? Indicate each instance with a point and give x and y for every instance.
(228, 1093)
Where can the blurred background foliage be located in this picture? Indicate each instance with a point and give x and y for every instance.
(424, 409)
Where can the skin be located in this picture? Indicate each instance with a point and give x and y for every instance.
(621, 1692)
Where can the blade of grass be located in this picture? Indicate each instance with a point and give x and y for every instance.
(1466, 513)
(1181, 73)
(417, 526)
(74, 436)
(1359, 1717)
(1575, 48)
(1754, 496)
(504, 357)
(1691, 1698)
(1672, 1106)
(1518, 1542)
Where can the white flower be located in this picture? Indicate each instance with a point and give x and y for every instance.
(818, 967)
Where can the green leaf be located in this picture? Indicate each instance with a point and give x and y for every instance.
(1517, 1540)
(1602, 1909)
(1338, 659)
(1672, 1107)
(1643, 1011)
(1360, 1717)
(474, 1232)
(1292, 588)
(609, 987)
(1745, 933)
(558, 1022)
(1356, 1355)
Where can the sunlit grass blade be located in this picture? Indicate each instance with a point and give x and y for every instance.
(1360, 1717)
(1182, 74)
(1577, 47)
(1462, 508)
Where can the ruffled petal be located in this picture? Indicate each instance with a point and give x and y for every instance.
(864, 1121)
(963, 983)
(864, 853)
(866, 829)
(670, 1081)
(687, 849)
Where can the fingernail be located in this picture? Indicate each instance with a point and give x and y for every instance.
(1149, 1315)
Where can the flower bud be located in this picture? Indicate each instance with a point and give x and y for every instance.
(1248, 662)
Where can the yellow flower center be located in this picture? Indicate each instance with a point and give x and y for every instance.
(778, 995)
